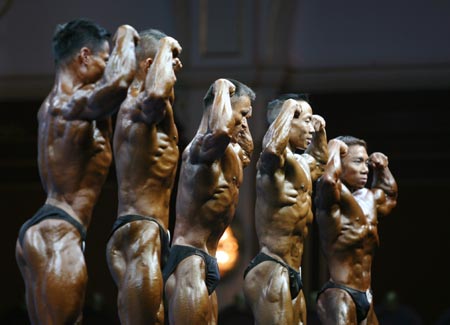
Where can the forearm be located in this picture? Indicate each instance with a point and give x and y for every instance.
(276, 138)
(221, 114)
(219, 122)
(121, 66)
(160, 78)
(318, 148)
(333, 168)
(384, 181)
(318, 151)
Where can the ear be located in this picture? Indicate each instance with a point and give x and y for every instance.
(148, 63)
(85, 53)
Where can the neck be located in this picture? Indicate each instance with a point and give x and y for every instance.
(67, 81)
(293, 148)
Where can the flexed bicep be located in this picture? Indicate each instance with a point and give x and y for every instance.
(384, 186)
(317, 149)
(215, 134)
(158, 93)
(329, 185)
(276, 139)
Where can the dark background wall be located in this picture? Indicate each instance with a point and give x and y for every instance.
(380, 72)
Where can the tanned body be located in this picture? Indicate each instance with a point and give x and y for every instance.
(210, 177)
(283, 210)
(74, 156)
(347, 215)
(146, 155)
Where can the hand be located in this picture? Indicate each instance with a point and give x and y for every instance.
(177, 64)
(335, 144)
(318, 122)
(292, 106)
(124, 32)
(378, 160)
(224, 84)
(173, 44)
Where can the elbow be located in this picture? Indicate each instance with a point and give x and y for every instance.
(222, 136)
(160, 93)
(219, 139)
(124, 82)
(387, 207)
(269, 160)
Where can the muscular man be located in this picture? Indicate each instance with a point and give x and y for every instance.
(208, 190)
(74, 155)
(272, 281)
(146, 157)
(347, 213)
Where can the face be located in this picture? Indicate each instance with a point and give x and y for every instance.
(355, 167)
(302, 129)
(96, 63)
(242, 110)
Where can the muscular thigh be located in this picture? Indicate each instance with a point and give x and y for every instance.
(189, 275)
(271, 298)
(276, 282)
(191, 272)
(52, 245)
(335, 306)
(135, 244)
(187, 294)
(266, 283)
(135, 240)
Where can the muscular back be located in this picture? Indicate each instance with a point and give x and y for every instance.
(207, 197)
(74, 158)
(146, 158)
(283, 208)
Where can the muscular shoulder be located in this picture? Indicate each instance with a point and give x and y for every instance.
(50, 113)
(201, 152)
(53, 104)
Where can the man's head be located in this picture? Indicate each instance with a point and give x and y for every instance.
(82, 40)
(302, 128)
(241, 103)
(148, 44)
(355, 164)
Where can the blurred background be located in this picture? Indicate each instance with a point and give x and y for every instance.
(377, 70)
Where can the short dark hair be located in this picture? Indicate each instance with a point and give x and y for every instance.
(148, 43)
(70, 37)
(352, 141)
(274, 106)
(241, 90)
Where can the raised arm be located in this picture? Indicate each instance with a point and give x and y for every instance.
(329, 186)
(317, 152)
(160, 80)
(276, 139)
(384, 185)
(220, 123)
(101, 99)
